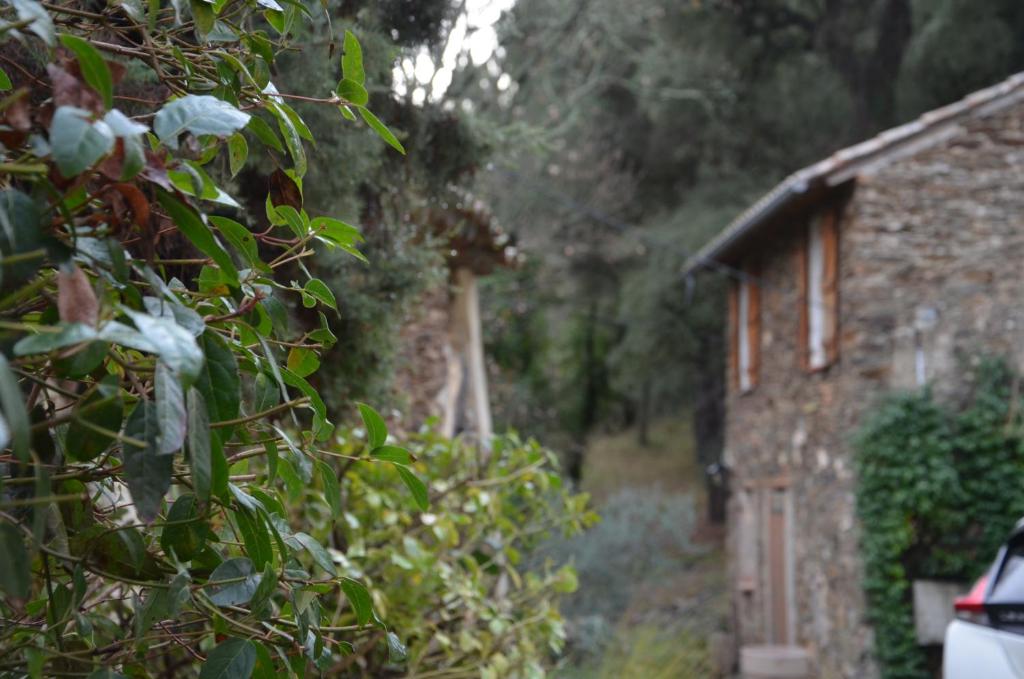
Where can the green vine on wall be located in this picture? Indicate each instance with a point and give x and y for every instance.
(940, 488)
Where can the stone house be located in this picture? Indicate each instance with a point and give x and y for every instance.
(879, 268)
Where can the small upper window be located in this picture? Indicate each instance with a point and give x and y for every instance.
(819, 273)
(745, 328)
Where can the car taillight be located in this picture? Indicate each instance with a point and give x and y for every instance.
(971, 606)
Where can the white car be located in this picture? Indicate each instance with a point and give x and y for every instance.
(986, 640)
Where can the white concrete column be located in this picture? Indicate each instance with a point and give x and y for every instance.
(468, 350)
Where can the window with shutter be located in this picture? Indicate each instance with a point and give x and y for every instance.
(745, 329)
(819, 293)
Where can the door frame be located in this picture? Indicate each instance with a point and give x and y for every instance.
(765, 491)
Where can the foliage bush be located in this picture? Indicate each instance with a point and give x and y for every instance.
(457, 581)
(643, 534)
(146, 350)
(656, 652)
(160, 436)
(939, 489)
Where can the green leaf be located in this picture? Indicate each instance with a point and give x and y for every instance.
(238, 67)
(147, 472)
(233, 659)
(59, 602)
(392, 454)
(173, 310)
(266, 393)
(240, 582)
(238, 151)
(381, 129)
(376, 430)
(42, 24)
(292, 138)
(5, 81)
(103, 408)
(265, 590)
(302, 362)
(297, 121)
(47, 340)
(119, 333)
(15, 420)
(219, 382)
(277, 314)
(359, 599)
(157, 606)
(191, 179)
(352, 92)
(15, 576)
(322, 427)
(282, 548)
(204, 16)
(198, 114)
(323, 334)
(255, 537)
(199, 448)
(265, 668)
(174, 344)
(244, 499)
(319, 290)
(94, 69)
(352, 60)
(170, 409)
(315, 549)
(267, 136)
(296, 458)
(415, 486)
(241, 239)
(184, 532)
(196, 231)
(276, 19)
(76, 142)
(130, 132)
(21, 231)
(336, 231)
(294, 219)
(332, 489)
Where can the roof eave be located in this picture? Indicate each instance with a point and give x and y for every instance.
(846, 165)
(717, 252)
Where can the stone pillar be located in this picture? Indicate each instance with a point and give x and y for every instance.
(467, 406)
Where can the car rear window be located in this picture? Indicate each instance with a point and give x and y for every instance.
(1009, 587)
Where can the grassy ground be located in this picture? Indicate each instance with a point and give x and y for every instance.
(676, 602)
(668, 462)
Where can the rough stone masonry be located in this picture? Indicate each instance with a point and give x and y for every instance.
(931, 251)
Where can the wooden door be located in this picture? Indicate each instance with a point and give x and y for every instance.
(777, 566)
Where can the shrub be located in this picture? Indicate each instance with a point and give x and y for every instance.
(939, 489)
(153, 391)
(656, 652)
(456, 581)
(643, 534)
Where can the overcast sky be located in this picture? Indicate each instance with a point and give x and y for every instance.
(473, 37)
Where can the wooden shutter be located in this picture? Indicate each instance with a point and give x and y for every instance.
(830, 282)
(803, 326)
(754, 325)
(734, 334)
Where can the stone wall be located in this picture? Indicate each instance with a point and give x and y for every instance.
(931, 248)
(425, 354)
